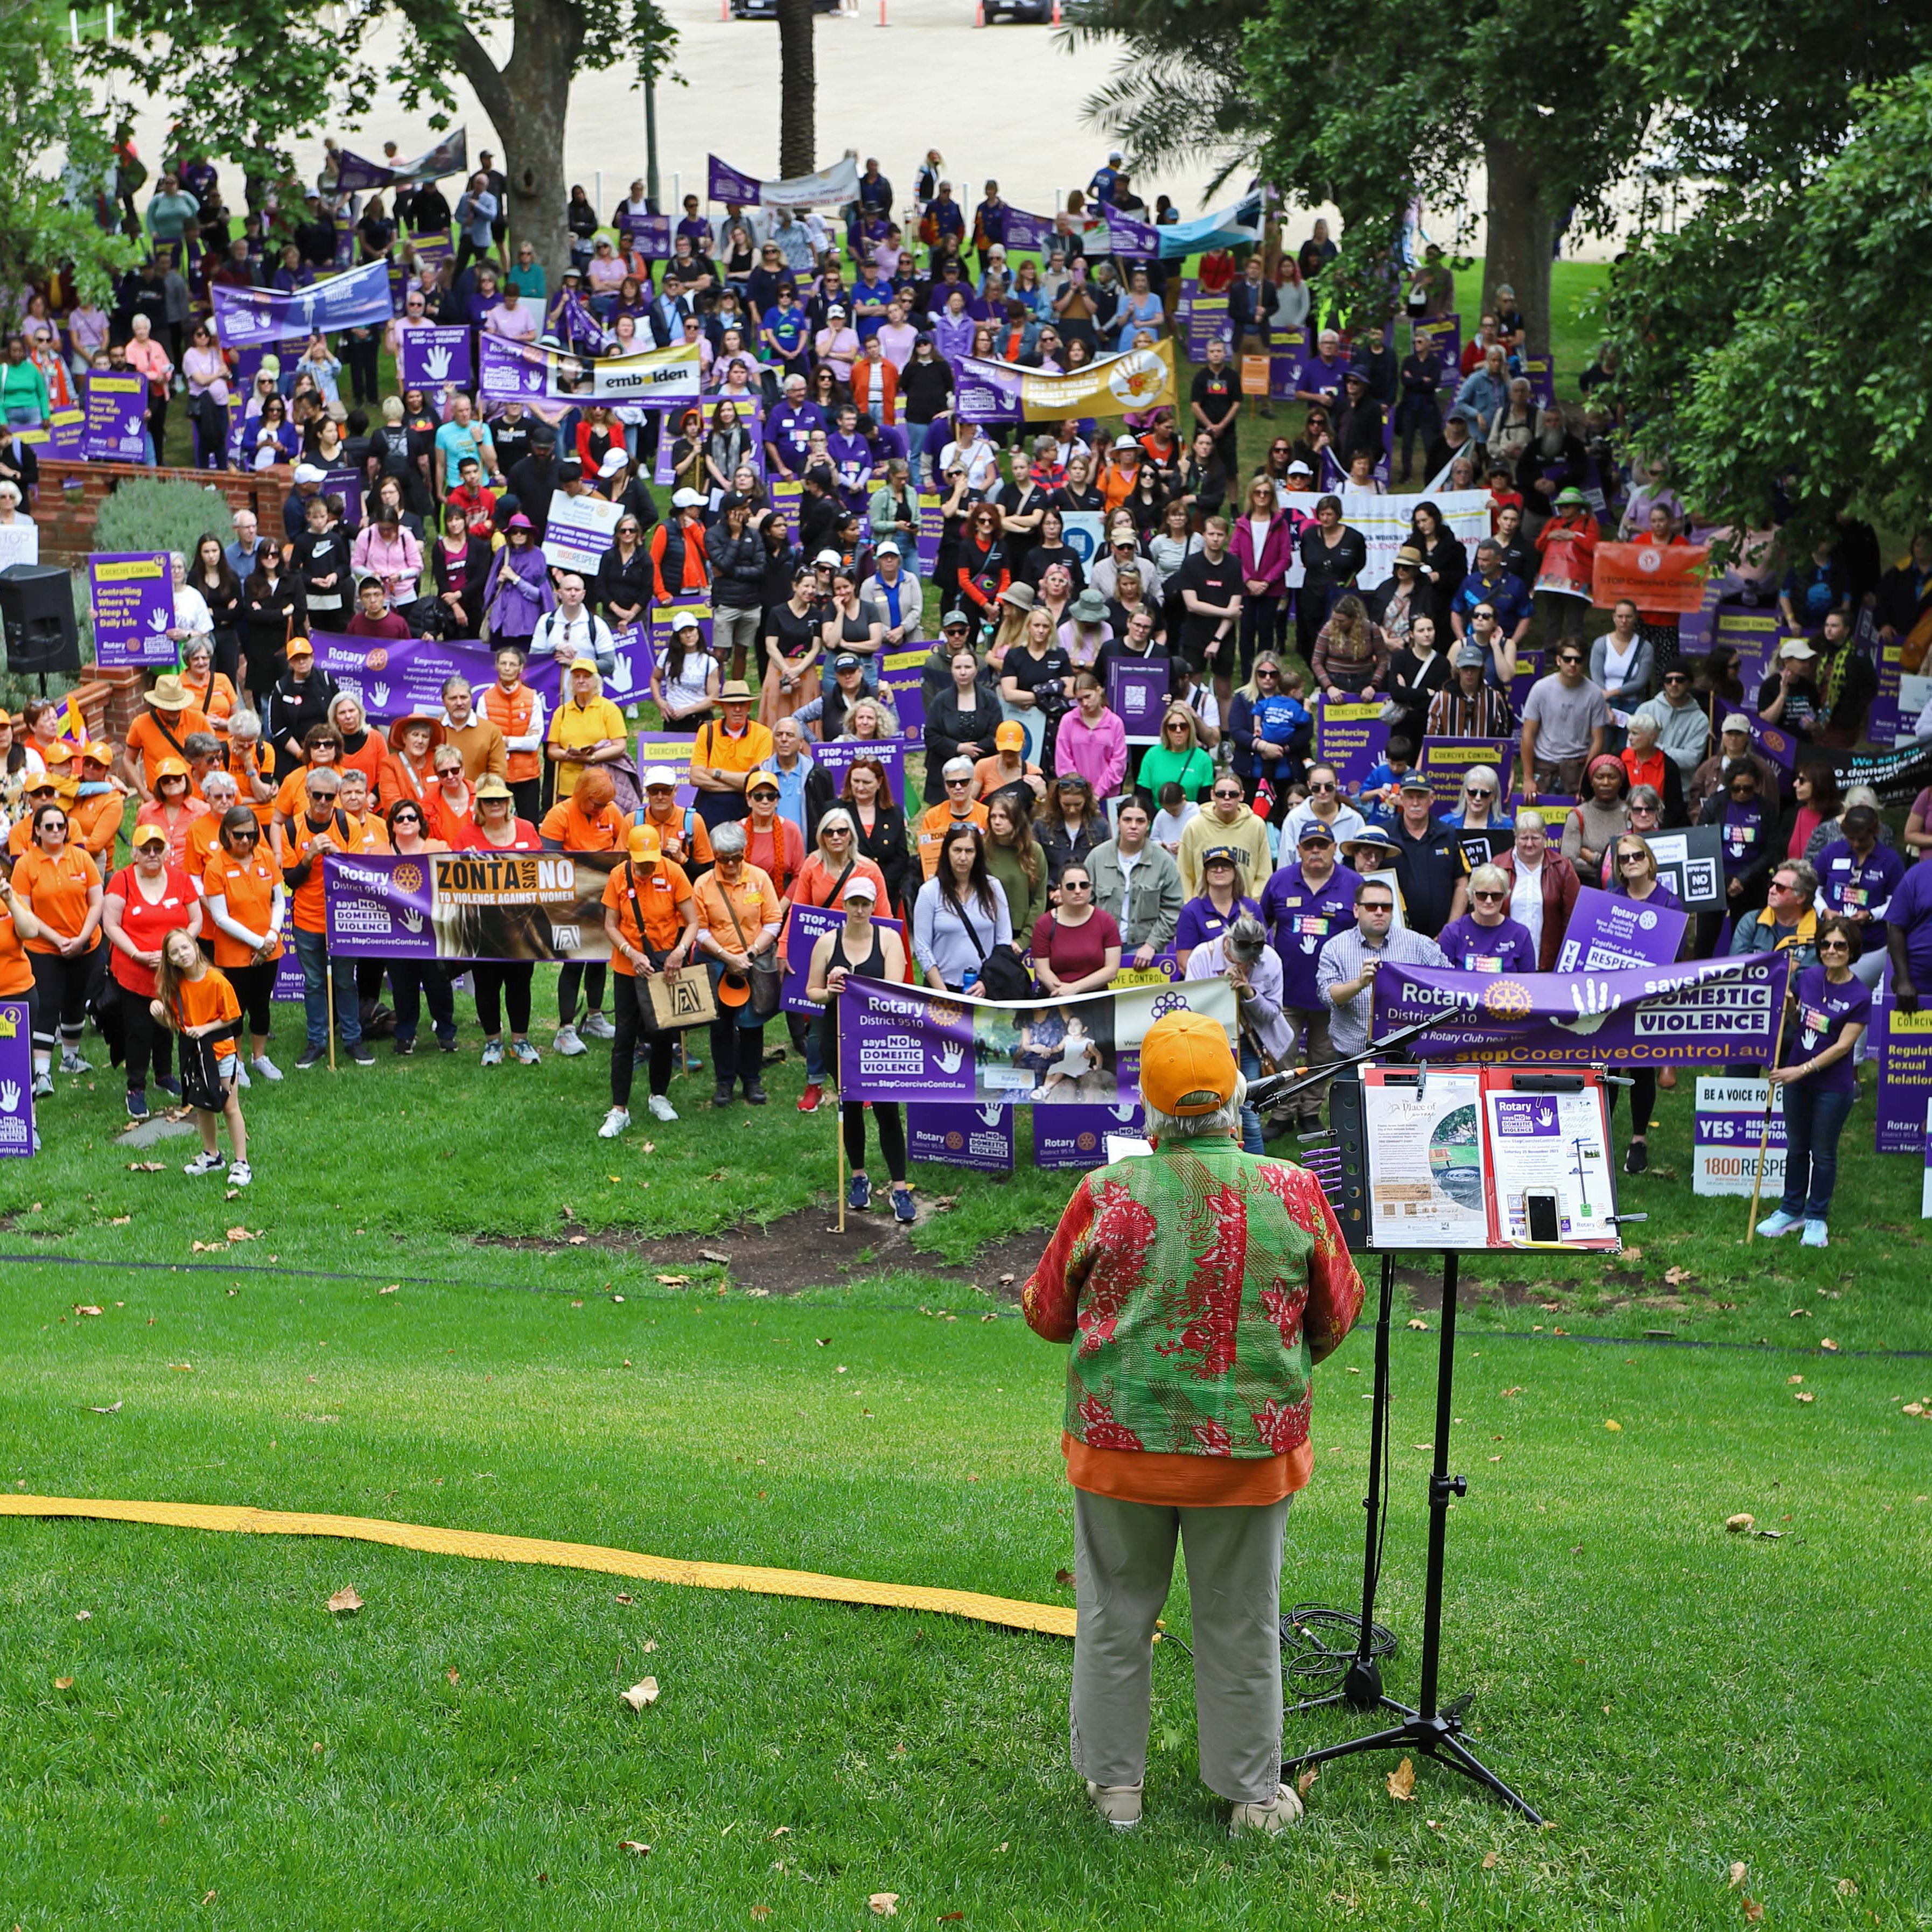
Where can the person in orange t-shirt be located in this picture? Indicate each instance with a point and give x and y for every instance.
(174, 807)
(17, 925)
(218, 793)
(321, 828)
(651, 920)
(196, 1000)
(246, 906)
(322, 747)
(360, 746)
(588, 821)
(61, 885)
(161, 731)
(97, 819)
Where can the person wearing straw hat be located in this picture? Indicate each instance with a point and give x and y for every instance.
(161, 731)
(1171, 1435)
(651, 918)
(728, 749)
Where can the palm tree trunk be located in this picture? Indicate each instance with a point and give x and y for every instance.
(798, 90)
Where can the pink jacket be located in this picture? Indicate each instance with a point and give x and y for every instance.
(398, 564)
(1277, 552)
(1097, 751)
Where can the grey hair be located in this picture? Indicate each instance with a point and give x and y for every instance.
(1530, 817)
(1187, 1126)
(242, 721)
(956, 768)
(1643, 719)
(1645, 796)
(727, 841)
(1803, 874)
(1246, 938)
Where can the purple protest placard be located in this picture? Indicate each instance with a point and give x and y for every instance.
(1351, 737)
(16, 1082)
(724, 183)
(1287, 352)
(1704, 1013)
(902, 676)
(115, 407)
(805, 925)
(1208, 321)
(1902, 1045)
(959, 1135)
(1724, 1134)
(434, 356)
(1606, 931)
(380, 903)
(987, 391)
(662, 620)
(931, 531)
(1541, 371)
(391, 676)
(1137, 695)
(841, 755)
(1444, 762)
(348, 484)
(133, 599)
(646, 234)
(1773, 740)
(1127, 236)
(1076, 1135)
(1028, 234)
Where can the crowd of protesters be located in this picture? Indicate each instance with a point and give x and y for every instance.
(1045, 850)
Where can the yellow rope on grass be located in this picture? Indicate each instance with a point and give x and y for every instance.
(482, 1546)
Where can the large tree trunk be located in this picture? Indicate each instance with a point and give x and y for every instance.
(527, 101)
(798, 90)
(1522, 238)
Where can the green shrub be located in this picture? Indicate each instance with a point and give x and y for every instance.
(149, 515)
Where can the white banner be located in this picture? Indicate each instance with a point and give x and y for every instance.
(1384, 522)
(579, 531)
(837, 183)
(522, 372)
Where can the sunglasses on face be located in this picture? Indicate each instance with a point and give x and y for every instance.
(1260, 674)
(1570, 657)
(1227, 798)
(1324, 785)
(957, 784)
(1482, 791)
(1834, 946)
(1076, 885)
(1632, 858)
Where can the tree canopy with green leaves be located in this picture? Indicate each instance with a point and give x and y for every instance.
(243, 78)
(46, 216)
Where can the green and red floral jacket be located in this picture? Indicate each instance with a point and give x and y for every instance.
(1198, 1285)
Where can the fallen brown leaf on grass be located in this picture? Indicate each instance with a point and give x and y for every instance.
(885, 1904)
(112, 1409)
(394, 1288)
(63, 1683)
(640, 1695)
(1615, 1427)
(1402, 1781)
(1739, 1872)
(714, 1255)
(1753, 1911)
(1741, 1521)
(650, 1644)
(451, 1675)
(761, 1912)
(83, 1616)
(1416, 1322)
(1064, 1578)
(120, 1220)
(1305, 1783)
(623, 1597)
(144, 1167)
(1489, 1862)
(578, 1240)
(345, 1602)
(1677, 1276)
(675, 1280)
(1805, 1395)
(87, 1308)
(1830, 1347)
(632, 1845)
(243, 1235)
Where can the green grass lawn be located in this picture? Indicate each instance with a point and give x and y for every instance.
(223, 1735)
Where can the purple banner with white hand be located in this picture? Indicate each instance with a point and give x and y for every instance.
(391, 677)
(1076, 1135)
(356, 300)
(114, 416)
(133, 599)
(805, 925)
(724, 183)
(1608, 933)
(1704, 1013)
(434, 356)
(16, 1082)
(960, 1135)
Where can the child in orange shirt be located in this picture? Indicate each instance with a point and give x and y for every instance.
(196, 1000)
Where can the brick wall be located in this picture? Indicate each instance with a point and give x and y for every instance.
(71, 495)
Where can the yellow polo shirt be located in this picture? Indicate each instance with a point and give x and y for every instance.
(572, 724)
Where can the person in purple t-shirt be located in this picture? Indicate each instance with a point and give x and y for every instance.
(1857, 876)
(1486, 939)
(1831, 1009)
(1219, 905)
(1323, 374)
(1303, 906)
(788, 428)
(1909, 935)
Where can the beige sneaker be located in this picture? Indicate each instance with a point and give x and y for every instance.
(1274, 1817)
(1120, 1804)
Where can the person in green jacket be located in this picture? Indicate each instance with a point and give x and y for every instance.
(171, 209)
(1014, 857)
(24, 402)
(1178, 758)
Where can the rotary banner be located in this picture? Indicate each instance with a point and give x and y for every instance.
(991, 390)
(514, 906)
(1703, 1013)
(246, 318)
(916, 1043)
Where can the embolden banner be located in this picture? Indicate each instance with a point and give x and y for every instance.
(918, 1043)
(511, 906)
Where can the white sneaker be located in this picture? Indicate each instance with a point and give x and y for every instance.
(72, 1063)
(1274, 1817)
(205, 1163)
(596, 1027)
(615, 1122)
(265, 1067)
(1778, 1222)
(242, 1082)
(240, 1174)
(567, 1044)
(661, 1108)
(1814, 1236)
(1120, 1804)
(43, 1086)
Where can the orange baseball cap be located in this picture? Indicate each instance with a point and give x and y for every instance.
(1187, 1067)
(1010, 735)
(645, 843)
(100, 754)
(170, 768)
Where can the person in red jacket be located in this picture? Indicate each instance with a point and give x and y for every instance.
(679, 568)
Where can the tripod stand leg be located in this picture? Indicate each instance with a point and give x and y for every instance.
(1441, 1486)
(1458, 1756)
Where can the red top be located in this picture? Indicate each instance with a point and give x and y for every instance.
(1074, 951)
(145, 926)
(527, 840)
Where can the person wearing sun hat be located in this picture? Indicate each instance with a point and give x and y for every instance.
(160, 731)
(1178, 1427)
(1567, 545)
(728, 749)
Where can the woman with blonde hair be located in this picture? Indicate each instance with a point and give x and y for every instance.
(1177, 758)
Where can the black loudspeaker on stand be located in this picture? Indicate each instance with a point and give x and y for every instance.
(37, 608)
